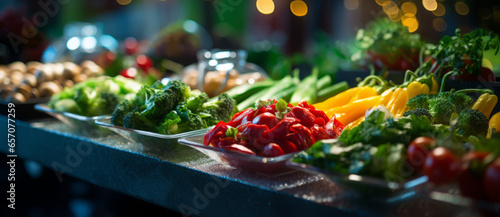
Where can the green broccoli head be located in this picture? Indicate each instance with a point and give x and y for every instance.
(222, 109)
(419, 101)
(136, 120)
(461, 101)
(157, 85)
(176, 86)
(142, 96)
(195, 102)
(471, 122)
(421, 112)
(84, 97)
(441, 109)
(67, 105)
(120, 111)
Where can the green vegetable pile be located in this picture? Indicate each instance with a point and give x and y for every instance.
(171, 109)
(376, 147)
(95, 96)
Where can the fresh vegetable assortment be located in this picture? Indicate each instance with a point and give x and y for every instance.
(95, 96)
(171, 109)
(273, 129)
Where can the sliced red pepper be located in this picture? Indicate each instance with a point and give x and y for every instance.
(319, 133)
(271, 150)
(305, 105)
(265, 118)
(227, 141)
(271, 108)
(320, 122)
(306, 118)
(219, 129)
(253, 134)
(280, 130)
(334, 128)
(294, 138)
(287, 146)
(239, 148)
(238, 117)
(320, 114)
(304, 134)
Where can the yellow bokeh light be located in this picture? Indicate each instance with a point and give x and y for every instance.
(391, 9)
(382, 2)
(351, 4)
(409, 7)
(411, 23)
(487, 64)
(265, 6)
(430, 5)
(298, 8)
(123, 2)
(439, 24)
(440, 10)
(485, 13)
(461, 8)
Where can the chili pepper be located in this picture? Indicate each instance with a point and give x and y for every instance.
(306, 118)
(319, 133)
(350, 112)
(485, 104)
(253, 134)
(215, 134)
(334, 127)
(287, 146)
(238, 117)
(494, 125)
(338, 100)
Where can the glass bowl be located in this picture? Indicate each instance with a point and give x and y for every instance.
(75, 121)
(149, 139)
(271, 166)
(370, 186)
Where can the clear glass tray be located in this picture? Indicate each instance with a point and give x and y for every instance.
(147, 138)
(371, 186)
(271, 166)
(451, 196)
(76, 121)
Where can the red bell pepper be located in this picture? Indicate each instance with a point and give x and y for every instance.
(304, 134)
(215, 134)
(306, 118)
(319, 133)
(334, 128)
(287, 146)
(238, 117)
(253, 134)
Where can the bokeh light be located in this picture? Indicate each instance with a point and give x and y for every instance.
(123, 2)
(439, 24)
(485, 13)
(351, 4)
(382, 2)
(411, 23)
(440, 10)
(409, 8)
(298, 8)
(461, 8)
(265, 6)
(430, 5)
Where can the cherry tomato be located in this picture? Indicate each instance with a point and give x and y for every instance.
(131, 45)
(491, 180)
(271, 150)
(441, 166)
(417, 152)
(469, 181)
(265, 118)
(129, 73)
(143, 62)
(239, 148)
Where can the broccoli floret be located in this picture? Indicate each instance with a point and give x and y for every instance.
(177, 87)
(169, 124)
(120, 111)
(158, 85)
(142, 96)
(136, 120)
(163, 101)
(461, 101)
(83, 97)
(195, 102)
(67, 105)
(441, 109)
(419, 101)
(222, 109)
(421, 112)
(471, 122)
(175, 122)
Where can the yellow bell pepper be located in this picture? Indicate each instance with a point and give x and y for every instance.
(356, 122)
(435, 86)
(394, 98)
(352, 111)
(338, 100)
(416, 88)
(364, 93)
(386, 97)
(485, 103)
(494, 125)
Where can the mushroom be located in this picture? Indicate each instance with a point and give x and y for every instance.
(71, 70)
(16, 97)
(18, 65)
(68, 83)
(33, 66)
(16, 77)
(3, 75)
(80, 78)
(44, 74)
(91, 69)
(58, 71)
(23, 89)
(34, 93)
(30, 80)
(48, 88)
(5, 91)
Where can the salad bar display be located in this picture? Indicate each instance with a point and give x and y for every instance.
(299, 133)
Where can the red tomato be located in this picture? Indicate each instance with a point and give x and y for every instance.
(265, 118)
(441, 166)
(129, 73)
(470, 182)
(417, 152)
(239, 148)
(491, 180)
(131, 45)
(271, 150)
(486, 75)
(143, 62)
